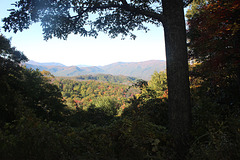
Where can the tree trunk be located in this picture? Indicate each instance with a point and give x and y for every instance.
(177, 75)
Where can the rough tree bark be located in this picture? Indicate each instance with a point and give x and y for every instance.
(177, 74)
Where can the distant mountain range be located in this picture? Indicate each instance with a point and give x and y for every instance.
(45, 64)
(142, 70)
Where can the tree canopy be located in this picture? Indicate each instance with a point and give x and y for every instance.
(30, 105)
(214, 41)
(59, 18)
(23, 87)
(214, 50)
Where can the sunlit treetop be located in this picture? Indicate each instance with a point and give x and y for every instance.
(59, 18)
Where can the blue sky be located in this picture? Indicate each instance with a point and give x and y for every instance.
(78, 50)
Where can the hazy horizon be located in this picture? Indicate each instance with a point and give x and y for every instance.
(83, 65)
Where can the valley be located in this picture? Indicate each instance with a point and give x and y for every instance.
(142, 70)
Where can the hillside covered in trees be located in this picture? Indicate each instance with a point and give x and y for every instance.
(104, 78)
(141, 70)
(106, 117)
(82, 94)
(43, 117)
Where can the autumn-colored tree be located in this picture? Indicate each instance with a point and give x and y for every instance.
(59, 18)
(214, 31)
(215, 53)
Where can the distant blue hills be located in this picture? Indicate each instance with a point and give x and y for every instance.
(142, 70)
(45, 64)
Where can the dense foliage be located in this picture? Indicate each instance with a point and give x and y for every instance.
(59, 18)
(111, 17)
(215, 53)
(25, 87)
(35, 123)
(81, 94)
(43, 117)
(106, 78)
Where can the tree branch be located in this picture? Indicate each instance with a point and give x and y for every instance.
(149, 14)
(125, 6)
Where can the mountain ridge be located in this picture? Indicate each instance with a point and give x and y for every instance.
(45, 63)
(142, 70)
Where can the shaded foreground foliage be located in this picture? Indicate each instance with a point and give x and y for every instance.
(36, 124)
(215, 52)
(88, 18)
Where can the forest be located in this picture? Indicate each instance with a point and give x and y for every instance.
(82, 94)
(108, 117)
